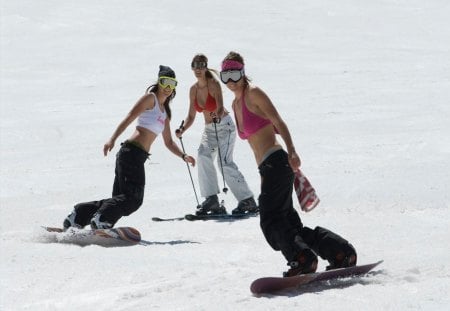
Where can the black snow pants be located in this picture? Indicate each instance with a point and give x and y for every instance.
(280, 222)
(128, 188)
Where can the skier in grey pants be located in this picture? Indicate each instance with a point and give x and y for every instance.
(218, 140)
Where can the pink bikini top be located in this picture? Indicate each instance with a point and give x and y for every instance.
(252, 123)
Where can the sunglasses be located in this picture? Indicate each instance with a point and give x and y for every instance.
(233, 75)
(167, 82)
(199, 65)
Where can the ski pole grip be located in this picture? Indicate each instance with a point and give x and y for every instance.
(180, 128)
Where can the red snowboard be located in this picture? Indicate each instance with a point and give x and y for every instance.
(270, 285)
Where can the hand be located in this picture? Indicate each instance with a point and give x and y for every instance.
(189, 159)
(108, 147)
(179, 132)
(294, 160)
(214, 117)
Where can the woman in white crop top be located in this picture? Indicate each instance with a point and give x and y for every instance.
(153, 114)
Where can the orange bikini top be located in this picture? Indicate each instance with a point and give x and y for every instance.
(210, 103)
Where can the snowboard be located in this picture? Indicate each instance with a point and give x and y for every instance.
(114, 237)
(271, 285)
(220, 217)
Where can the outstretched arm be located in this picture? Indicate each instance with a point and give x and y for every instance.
(191, 115)
(145, 102)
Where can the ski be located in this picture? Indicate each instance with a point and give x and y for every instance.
(218, 217)
(192, 217)
(167, 219)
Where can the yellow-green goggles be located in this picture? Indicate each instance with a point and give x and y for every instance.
(167, 82)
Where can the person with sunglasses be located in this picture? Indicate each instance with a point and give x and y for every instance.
(258, 121)
(153, 114)
(218, 138)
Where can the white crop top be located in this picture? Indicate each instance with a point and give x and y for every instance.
(152, 119)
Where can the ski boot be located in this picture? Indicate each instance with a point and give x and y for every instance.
(246, 206)
(306, 263)
(96, 223)
(344, 258)
(69, 221)
(211, 206)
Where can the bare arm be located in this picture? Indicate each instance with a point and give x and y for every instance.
(268, 110)
(219, 99)
(145, 102)
(191, 114)
(172, 146)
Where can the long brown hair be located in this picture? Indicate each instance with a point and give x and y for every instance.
(209, 72)
(237, 57)
(154, 89)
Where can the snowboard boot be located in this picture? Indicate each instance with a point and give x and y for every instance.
(69, 221)
(246, 206)
(211, 206)
(306, 262)
(343, 259)
(97, 222)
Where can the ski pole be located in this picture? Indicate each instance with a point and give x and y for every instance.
(225, 189)
(187, 164)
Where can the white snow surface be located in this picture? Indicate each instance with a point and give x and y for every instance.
(364, 87)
